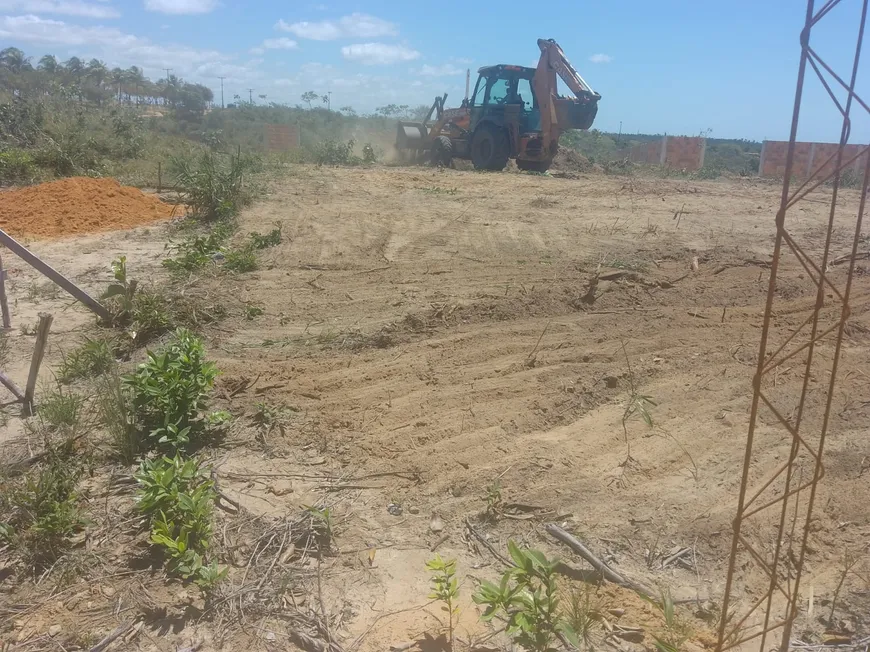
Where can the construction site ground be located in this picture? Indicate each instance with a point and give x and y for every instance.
(430, 332)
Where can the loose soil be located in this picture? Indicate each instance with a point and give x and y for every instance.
(428, 332)
(78, 205)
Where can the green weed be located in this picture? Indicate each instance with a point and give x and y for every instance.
(527, 600)
(493, 500)
(335, 152)
(445, 589)
(60, 414)
(116, 413)
(676, 631)
(179, 499)
(252, 311)
(241, 260)
(211, 185)
(39, 513)
(264, 241)
(92, 358)
(169, 394)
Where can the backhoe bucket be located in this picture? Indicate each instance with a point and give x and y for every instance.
(412, 135)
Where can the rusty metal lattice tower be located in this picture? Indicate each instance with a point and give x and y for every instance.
(785, 498)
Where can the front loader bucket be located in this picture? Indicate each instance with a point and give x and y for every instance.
(412, 135)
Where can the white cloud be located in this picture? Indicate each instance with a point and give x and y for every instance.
(444, 70)
(356, 25)
(600, 58)
(284, 82)
(181, 6)
(66, 7)
(122, 49)
(257, 51)
(416, 82)
(282, 43)
(372, 54)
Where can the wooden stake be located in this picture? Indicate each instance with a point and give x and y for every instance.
(4, 306)
(38, 354)
(6, 381)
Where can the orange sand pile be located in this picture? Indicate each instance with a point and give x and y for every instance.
(77, 205)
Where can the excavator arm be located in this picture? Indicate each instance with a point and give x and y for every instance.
(560, 114)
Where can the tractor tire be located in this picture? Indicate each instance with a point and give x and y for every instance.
(490, 148)
(533, 166)
(442, 151)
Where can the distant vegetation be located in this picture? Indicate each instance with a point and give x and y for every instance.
(79, 117)
(735, 156)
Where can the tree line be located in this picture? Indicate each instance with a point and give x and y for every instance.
(94, 82)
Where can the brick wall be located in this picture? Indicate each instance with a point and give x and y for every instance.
(679, 152)
(685, 153)
(810, 159)
(646, 153)
(280, 138)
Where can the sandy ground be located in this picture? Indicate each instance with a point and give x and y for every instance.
(431, 332)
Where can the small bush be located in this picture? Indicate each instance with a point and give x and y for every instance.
(271, 239)
(60, 414)
(211, 185)
(116, 414)
(241, 260)
(527, 598)
(16, 165)
(179, 499)
(92, 358)
(169, 394)
(196, 252)
(40, 513)
(369, 155)
(335, 152)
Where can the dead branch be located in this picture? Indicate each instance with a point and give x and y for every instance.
(477, 535)
(119, 631)
(606, 571)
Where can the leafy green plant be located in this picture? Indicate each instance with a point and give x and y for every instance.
(493, 500)
(369, 155)
(120, 293)
(178, 498)
(92, 358)
(253, 311)
(39, 513)
(445, 589)
(169, 393)
(241, 260)
(211, 185)
(264, 241)
(16, 165)
(527, 600)
(320, 525)
(191, 254)
(335, 152)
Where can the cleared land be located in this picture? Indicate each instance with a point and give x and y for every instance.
(428, 332)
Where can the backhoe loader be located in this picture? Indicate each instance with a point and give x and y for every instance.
(514, 112)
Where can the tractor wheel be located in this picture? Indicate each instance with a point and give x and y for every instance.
(533, 166)
(490, 149)
(442, 151)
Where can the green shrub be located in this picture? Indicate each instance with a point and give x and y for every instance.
(116, 413)
(211, 185)
(179, 499)
(169, 394)
(270, 239)
(39, 513)
(241, 260)
(16, 165)
(193, 253)
(527, 599)
(92, 358)
(335, 152)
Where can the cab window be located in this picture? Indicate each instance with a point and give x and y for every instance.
(479, 92)
(499, 91)
(525, 96)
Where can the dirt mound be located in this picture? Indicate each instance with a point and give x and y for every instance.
(569, 160)
(78, 205)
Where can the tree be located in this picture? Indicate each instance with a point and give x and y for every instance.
(14, 60)
(75, 67)
(349, 110)
(97, 71)
(48, 64)
(262, 97)
(308, 97)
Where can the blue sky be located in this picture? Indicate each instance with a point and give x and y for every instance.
(670, 66)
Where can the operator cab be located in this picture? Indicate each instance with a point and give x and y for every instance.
(504, 85)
